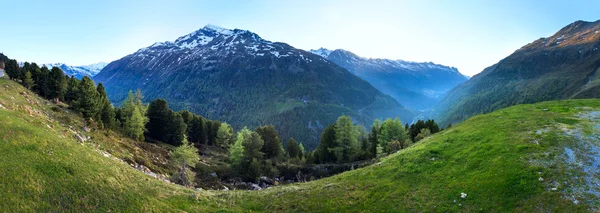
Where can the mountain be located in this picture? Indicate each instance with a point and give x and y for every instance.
(526, 158)
(413, 84)
(562, 66)
(78, 71)
(238, 77)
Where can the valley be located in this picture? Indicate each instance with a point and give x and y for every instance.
(151, 109)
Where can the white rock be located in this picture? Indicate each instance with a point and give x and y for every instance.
(541, 179)
(463, 195)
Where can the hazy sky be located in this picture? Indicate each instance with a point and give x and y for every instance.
(469, 35)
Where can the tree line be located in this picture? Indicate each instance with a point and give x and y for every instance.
(252, 153)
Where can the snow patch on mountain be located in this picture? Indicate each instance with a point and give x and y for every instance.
(78, 71)
(213, 40)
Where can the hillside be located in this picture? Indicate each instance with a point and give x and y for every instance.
(238, 77)
(527, 158)
(413, 84)
(561, 66)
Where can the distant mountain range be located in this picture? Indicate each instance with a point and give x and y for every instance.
(415, 85)
(77, 71)
(238, 77)
(562, 66)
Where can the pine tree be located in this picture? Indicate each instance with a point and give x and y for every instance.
(57, 84)
(176, 129)
(88, 100)
(72, 90)
(12, 69)
(273, 147)
(197, 130)
(158, 120)
(42, 82)
(107, 113)
(27, 81)
(327, 143)
(292, 148)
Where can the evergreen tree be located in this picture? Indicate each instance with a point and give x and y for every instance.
(187, 116)
(273, 147)
(12, 69)
(197, 130)
(176, 129)
(88, 100)
(254, 170)
(72, 90)
(27, 80)
(107, 113)
(57, 84)
(252, 146)
(42, 83)
(212, 132)
(374, 137)
(225, 137)
(158, 120)
(292, 148)
(327, 143)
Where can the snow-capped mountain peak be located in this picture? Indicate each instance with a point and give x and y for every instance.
(323, 52)
(78, 71)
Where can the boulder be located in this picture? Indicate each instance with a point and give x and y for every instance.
(254, 186)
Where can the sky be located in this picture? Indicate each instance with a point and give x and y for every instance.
(467, 34)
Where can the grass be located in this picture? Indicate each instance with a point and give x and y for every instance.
(496, 159)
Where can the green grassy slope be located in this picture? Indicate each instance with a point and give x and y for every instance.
(497, 159)
(44, 168)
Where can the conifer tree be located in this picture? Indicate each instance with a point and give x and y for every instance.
(57, 84)
(72, 90)
(197, 130)
(88, 100)
(27, 80)
(292, 148)
(158, 120)
(272, 147)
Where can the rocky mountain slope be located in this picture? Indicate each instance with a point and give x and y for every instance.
(527, 158)
(238, 77)
(413, 84)
(562, 66)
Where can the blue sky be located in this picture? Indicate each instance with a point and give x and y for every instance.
(469, 34)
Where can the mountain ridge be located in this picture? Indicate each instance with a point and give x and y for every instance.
(238, 77)
(562, 66)
(418, 85)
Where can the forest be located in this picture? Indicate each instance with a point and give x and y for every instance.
(252, 154)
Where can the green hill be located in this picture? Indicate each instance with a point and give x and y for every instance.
(526, 158)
